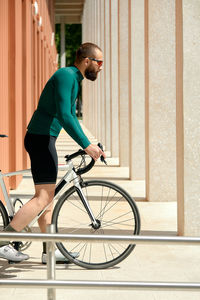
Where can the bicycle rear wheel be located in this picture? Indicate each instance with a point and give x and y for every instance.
(4, 220)
(116, 213)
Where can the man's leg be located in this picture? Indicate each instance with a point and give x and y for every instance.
(44, 194)
(44, 221)
(45, 218)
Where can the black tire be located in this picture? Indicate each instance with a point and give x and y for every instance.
(117, 213)
(4, 219)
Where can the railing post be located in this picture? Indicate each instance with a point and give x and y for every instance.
(51, 292)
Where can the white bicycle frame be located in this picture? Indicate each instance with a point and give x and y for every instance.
(68, 177)
(7, 199)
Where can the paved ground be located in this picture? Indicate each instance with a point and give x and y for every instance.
(146, 263)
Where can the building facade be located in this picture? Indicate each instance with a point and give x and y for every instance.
(27, 59)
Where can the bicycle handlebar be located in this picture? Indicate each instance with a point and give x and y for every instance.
(87, 168)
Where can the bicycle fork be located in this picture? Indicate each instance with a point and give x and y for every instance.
(96, 224)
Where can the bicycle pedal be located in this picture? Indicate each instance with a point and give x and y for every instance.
(11, 262)
(17, 245)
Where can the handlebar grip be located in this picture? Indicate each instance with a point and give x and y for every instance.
(100, 146)
(101, 157)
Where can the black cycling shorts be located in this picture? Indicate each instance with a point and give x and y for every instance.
(43, 156)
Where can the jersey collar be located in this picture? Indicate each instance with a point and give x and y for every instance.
(79, 76)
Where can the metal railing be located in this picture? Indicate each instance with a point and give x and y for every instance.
(51, 283)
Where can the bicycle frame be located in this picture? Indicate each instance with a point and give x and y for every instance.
(65, 180)
(5, 192)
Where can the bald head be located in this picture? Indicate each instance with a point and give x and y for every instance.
(86, 50)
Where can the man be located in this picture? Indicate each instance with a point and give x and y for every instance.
(56, 110)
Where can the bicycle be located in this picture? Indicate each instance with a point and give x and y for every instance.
(87, 207)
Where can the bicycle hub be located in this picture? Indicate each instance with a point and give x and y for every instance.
(97, 225)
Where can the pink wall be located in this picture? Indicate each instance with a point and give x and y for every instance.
(27, 60)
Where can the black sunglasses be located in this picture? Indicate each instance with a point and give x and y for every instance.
(99, 62)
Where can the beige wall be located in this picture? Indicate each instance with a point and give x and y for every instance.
(188, 117)
(161, 101)
(114, 93)
(137, 135)
(145, 104)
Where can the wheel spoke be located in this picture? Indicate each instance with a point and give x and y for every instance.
(111, 251)
(109, 208)
(111, 245)
(101, 201)
(90, 252)
(104, 248)
(108, 201)
(75, 229)
(121, 217)
(84, 252)
(109, 223)
(114, 210)
(70, 201)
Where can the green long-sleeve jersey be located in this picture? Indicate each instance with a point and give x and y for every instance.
(57, 108)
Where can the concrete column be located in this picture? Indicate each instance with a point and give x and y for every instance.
(160, 88)
(114, 78)
(94, 85)
(188, 112)
(85, 92)
(98, 41)
(107, 74)
(102, 86)
(15, 89)
(4, 89)
(35, 66)
(26, 72)
(137, 155)
(124, 83)
(62, 45)
(89, 90)
(90, 83)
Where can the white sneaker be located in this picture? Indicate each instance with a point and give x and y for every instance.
(11, 254)
(59, 257)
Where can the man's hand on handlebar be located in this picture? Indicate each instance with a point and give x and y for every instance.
(94, 151)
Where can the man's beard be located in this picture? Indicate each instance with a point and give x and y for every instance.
(90, 74)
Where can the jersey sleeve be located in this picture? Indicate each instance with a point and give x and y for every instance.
(76, 119)
(64, 85)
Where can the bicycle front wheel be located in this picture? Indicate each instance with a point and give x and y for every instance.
(114, 210)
